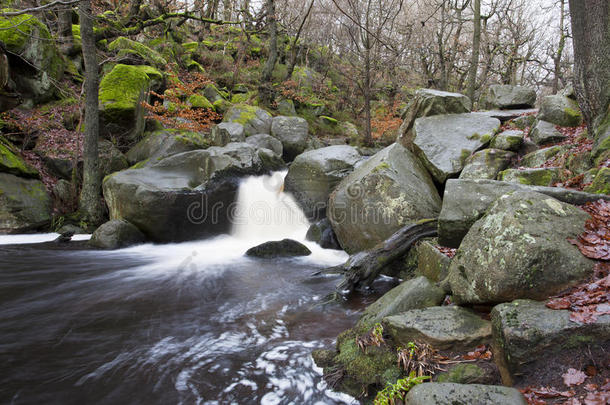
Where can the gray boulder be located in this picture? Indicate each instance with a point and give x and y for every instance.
(523, 121)
(254, 119)
(24, 204)
(111, 158)
(314, 174)
(560, 110)
(505, 96)
(545, 176)
(458, 394)
(539, 157)
(322, 233)
(444, 328)
(506, 115)
(411, 294)
(431, 262)
(184, 196)
(544, 133)
(161, 144)
(386, 192)
(227, 132)
(486, 164)
(444, 142)
(428, 102)
(465, 201)
(293, 132)
(116, 234)
(280, 248)
(266, 141)
(521, 244)
(508, 140)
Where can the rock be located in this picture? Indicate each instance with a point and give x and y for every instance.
(64, 237)
(601, 146)
(184, 196)
(64, 193)
(280, 248)
(322, 233)
(541, 156)
(471, 394)
(386, 192)
(254, 119)
(544, 133)
(121, 92)
(12, 163)
(505, 115)
(127, 47)
(199, 101)
(466, 374)
(431, 262)
(444, 142)
(560, 110)
(24, 204)
(534, 177)
(161, 144)
(348, 130)
(465, 201)
(508, 140)
(286, 107)
(116, 234)
(72, 229)
(266, 141)
(522, 245)
(601, 182)
(524, 121)
(579, 162)
(314, 174)
(111, 158)
(528, 337)
(36, 61)
(445, 328)
(428, 102)
(293, 133)
(227, 132)
(511, 97)
(212, 93)
(411, 294)
(486, 164)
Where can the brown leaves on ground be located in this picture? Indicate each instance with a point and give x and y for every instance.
(589, 300)
(447, 251)
(594, 242)
(573, 377)
(589, 394)
(537, 396)
(481, 352)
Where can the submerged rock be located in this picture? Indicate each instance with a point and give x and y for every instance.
(471, 394)
(280, 248)
(24, 204)
(520, 249)
(116, 234)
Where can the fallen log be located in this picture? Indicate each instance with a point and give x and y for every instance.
(363, 268)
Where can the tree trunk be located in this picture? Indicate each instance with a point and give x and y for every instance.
(266, 86)
(476, 44)
(591, 39)
(560, 47)
(90, 203)
(295, 44)
(65, 30)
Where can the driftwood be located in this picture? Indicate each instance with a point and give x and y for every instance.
(362, 269)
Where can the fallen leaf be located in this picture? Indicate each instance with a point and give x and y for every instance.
(574, 377)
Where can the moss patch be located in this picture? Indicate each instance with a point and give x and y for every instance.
(601, 183)
(11, 163)
(199, 101)
(149, 55)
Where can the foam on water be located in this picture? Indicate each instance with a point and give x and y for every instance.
(20, 239)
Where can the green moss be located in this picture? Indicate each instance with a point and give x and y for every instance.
(328, 120)
(247, 114)
(194, 66)
(601, 183)
(11, 163)
(462, 374)
(199, 101)
(222, 106)
(375, 367)
(138, 165)
(485, 138)
(465, 154)
(381, 166)
(574, 116)
(578, 340)
(190, 46)
(194, 138)
(530, 177)
(474, 136)
(149, 55)
(14, 31)
(240, 98)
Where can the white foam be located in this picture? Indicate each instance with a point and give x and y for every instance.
(36, 238)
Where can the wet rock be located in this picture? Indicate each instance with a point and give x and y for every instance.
(116, 234)
(560, 110)
(293, 132)
(322, 233)
(467, 374)
(281, 248)
(24, 204)
(505, 96)
(544, 133)
(486, 164)
(471, 394)
(519, 249)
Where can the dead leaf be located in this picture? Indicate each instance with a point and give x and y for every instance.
(574, 377)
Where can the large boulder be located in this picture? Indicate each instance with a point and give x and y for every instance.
(121, 93)
(428, 102)
(314, 174)
(266, 141)
(444, 328)
(465, 201)
(560, 110)
(280, 248)
(458, 394)
(254, 119)
(528, 337)
(116, 234)
(24, 204)
(12, 163)
(444, 142)
(184, 196)
(520, 249)
(125, 48)
(508, 140)
(163, 143)
(505, 96)
(36, 62)
(227, 132)
(544, 133)
(539, 157)
(486, 164)
(431, 262)
(388, 191)
(544, 176)
(111, 158)
(322, 233)
(293, 132)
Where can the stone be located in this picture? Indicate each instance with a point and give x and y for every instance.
(293, 132)
(444, 142)
(505, 96)
(111, 158)
(528, 336)
(444, 328)
(508, 140)
(126, 47)
(506, 115)
(286, 107)
(545, 176)
(227, 132)
(416, 293)
(601, 182)
(431, 262)
(322, 233)
(386, 192)
(486, 164)
(64, 193)
(116, 234)
(465, 201)
(541, 156)
(314, 174)
(519, 249)
(12, 163)
(163, 143)
(281, 248)
(465, 374)
(544, 133)
(199, 101)
(254, 119)
(524, 121)
(213, 94)
(428, 102)
(560, 110)
(266, 141)
(466, 394)
(601, 145)
(24, 204)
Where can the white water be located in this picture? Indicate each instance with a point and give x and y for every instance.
(36, 238)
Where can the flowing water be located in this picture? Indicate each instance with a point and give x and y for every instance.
(188, 323)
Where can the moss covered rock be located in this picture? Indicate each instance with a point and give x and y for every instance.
(431, 262)
(254, 119)
(560, 110)
(486, 164)
(125, 46)
(199, 101)
(458, 394)
(508, 140)
(601, 182)
(533, 177)
(24, 204)
(12, 163)
(541, 156)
